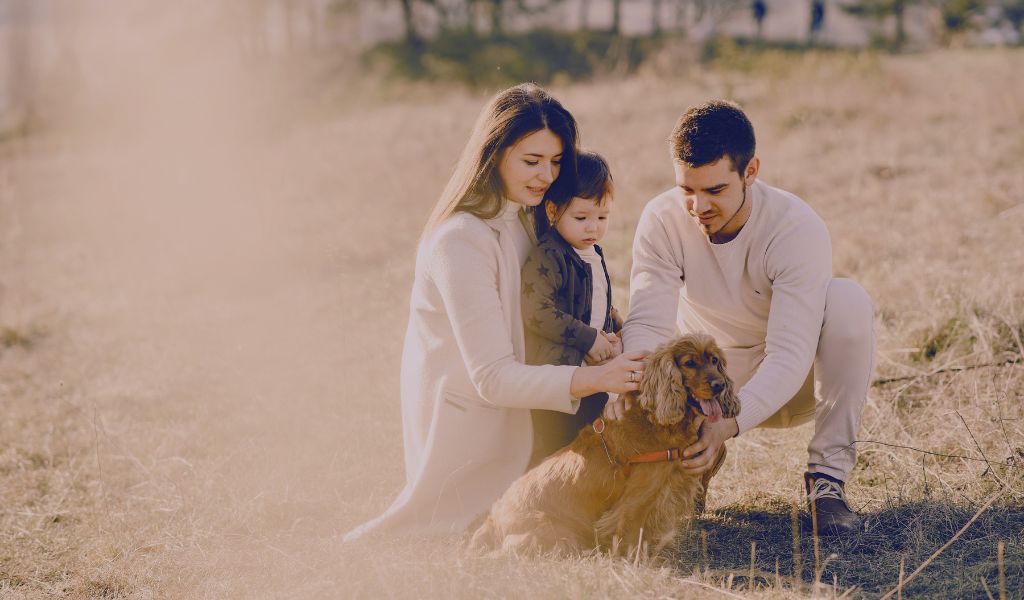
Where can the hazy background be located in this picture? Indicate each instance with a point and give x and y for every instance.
(208, 217)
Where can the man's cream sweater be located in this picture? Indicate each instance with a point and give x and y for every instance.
(761, 295)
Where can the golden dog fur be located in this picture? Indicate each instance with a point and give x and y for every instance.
(576, 500)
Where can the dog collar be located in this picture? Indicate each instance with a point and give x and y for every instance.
(599, 426)
(647, 457)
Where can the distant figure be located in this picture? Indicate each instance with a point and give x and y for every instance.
(760, 9)
(817, 20)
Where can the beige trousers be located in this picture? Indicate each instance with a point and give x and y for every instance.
(836, 388)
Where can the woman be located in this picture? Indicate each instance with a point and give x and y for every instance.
(466, 393)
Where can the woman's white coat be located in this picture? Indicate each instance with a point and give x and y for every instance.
(465, 391)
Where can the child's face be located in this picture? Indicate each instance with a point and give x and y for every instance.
(584, 222)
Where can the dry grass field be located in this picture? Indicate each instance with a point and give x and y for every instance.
(204, 287)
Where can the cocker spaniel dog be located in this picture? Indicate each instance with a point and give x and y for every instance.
(618, 477)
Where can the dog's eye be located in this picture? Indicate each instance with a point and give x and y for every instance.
(689, 364)
(714, 359)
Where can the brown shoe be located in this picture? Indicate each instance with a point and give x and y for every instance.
(830, 505)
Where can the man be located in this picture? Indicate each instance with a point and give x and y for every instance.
(752, 265)
(760, 9)
(817, 20)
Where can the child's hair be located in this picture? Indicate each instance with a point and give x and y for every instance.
(593, 182)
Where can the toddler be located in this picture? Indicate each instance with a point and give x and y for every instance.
(567, 296)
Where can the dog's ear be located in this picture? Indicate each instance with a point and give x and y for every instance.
(727, 399)
(661, 390)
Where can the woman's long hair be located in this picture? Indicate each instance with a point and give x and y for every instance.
(475, 186)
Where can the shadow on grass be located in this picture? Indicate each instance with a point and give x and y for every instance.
(869, 560)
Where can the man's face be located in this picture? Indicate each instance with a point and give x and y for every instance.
(715, 195)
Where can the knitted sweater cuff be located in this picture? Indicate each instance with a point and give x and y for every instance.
(753, 412)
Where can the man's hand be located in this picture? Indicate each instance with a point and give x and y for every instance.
(699, 456)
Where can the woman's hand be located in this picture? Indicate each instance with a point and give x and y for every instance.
(620, 375)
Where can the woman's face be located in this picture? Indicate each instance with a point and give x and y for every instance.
(529, 167)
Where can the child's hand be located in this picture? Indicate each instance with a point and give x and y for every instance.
(616, 342)
(600, 351)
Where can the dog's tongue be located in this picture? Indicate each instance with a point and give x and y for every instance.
(711, 409)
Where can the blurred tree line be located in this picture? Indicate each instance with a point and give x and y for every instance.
(484, 42)
(956, 16)
(489, 16)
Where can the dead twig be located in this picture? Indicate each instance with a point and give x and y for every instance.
(899, 586)
(713, 588)
(888, 380)
(984, 507)
(982, 452)
(1002, 570)
(753, 561)
(922, 451)
(984, 586)
(797, 568)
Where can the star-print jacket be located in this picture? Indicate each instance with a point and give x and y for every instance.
(556, 303)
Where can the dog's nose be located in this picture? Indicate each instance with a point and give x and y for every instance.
(717, 386)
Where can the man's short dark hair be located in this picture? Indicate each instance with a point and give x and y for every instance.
(709, 131)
